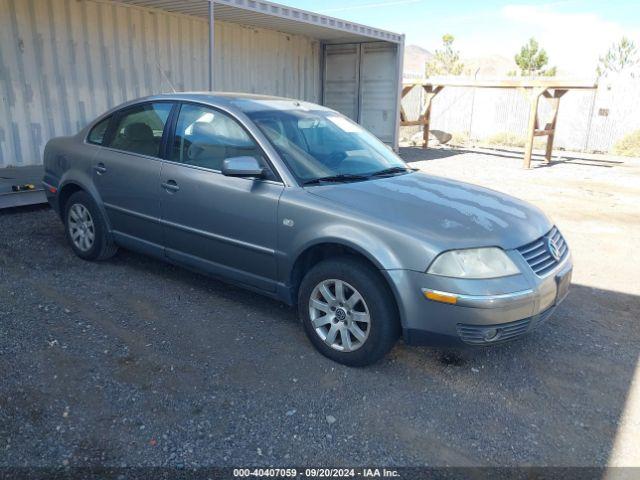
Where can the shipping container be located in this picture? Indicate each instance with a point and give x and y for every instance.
(64, 62)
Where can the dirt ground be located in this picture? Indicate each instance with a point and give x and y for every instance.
(132, 362)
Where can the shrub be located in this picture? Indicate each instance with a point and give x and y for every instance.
(629, 145)
(510, 139)
(459, 139)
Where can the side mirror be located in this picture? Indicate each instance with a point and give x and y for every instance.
(242, 167)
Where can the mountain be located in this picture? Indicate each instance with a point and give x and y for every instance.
(488, 66)
(415, 59)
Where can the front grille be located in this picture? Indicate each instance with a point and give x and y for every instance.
(476, 334)
(538, 255)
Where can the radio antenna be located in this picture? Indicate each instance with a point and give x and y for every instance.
(165, 77)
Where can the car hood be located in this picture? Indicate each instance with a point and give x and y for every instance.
(447, 213)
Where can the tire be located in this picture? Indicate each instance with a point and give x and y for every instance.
(354, 277)
(83, 220)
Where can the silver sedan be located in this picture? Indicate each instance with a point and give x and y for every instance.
(295, 201)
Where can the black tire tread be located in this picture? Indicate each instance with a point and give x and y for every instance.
(370, 283)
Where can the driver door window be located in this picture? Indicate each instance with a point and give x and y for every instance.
(206, 137)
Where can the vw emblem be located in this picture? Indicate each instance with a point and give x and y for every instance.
(340, 314)
(554, 250)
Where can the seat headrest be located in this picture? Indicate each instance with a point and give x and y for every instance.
(203, 129)
(138, 132)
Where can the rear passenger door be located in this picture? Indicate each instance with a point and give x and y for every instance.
(126, 173)
(223, 225)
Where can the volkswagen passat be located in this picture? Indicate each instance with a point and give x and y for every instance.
(295, 201)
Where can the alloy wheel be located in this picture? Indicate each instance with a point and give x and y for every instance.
(339, 315)
(81, 227)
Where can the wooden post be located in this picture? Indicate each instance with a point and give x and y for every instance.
(534, 98)
(550, 128)
(430, 92)
(424, 119)
(403, 115)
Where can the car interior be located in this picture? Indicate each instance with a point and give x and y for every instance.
(140, 131)
(206, 139)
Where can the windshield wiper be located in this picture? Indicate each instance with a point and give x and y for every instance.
(391, 171)
(343, 177)
(349, 177)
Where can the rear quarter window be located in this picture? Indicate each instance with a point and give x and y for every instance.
(97, 133)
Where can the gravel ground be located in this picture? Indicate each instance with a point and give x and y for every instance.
(132, 362)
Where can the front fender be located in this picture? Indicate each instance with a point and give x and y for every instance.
(377, 252)
(306, 220)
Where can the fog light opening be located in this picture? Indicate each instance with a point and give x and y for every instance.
(491, 334)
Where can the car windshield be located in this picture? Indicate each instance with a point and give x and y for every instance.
(325, 146)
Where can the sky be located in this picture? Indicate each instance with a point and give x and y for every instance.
(573, 32)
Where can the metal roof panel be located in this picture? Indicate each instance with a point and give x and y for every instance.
(269, 15)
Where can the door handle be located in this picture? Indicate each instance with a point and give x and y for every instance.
(100, 168)
(171, 186)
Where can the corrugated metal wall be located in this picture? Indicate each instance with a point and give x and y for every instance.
(588, 120)
(63, 62)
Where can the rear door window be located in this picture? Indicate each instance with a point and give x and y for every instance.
(139, 129)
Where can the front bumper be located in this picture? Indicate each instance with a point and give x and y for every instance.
(489, 312)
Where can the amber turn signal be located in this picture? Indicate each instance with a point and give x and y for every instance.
(440, 297)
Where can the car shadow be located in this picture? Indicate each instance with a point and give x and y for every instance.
(565, 384)
(419, 154)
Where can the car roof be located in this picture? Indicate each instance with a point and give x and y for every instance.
(246, 102)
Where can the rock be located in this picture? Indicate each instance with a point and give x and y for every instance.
(435, 136)
(330, 419)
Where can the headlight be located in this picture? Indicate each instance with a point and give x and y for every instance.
(489, 262)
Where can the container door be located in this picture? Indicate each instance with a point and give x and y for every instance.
(361, 82)
(341, 79)
(378, 89)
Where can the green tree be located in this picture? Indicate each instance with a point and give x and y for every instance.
(532, 59)
(620, 57)
(445, 61)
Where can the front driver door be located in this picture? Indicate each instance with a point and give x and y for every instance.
(224, 225)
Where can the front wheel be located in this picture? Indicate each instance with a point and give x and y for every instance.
(348, 312)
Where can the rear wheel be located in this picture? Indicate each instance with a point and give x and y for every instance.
(86, 229)
(348, 312)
